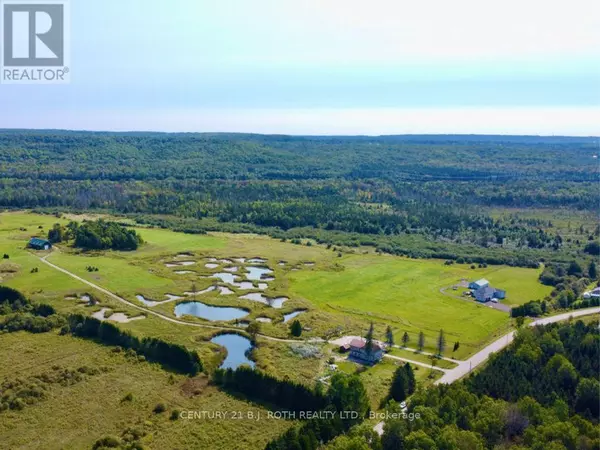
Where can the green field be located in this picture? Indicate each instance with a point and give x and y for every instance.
(76, 415)
(405, 294)
(342, 295)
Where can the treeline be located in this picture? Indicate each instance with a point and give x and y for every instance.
(346, 395)
(18, 313)
(174, 356)
(96, 235)
(406, 195)
(258, 386)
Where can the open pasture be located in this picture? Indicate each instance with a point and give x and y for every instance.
(341, 295)
(74, 416)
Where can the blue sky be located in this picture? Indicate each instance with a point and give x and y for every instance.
(324, 67)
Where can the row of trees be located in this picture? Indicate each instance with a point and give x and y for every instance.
(21, 314)
(258, 386)
(440, 343)
(174, 356)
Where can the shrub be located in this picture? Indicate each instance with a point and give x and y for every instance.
(159, 408)
(127, 398)
(175, 414)
(107, 442)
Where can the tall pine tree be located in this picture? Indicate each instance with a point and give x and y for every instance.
(441, 343)
(421, 341)
(369, 339)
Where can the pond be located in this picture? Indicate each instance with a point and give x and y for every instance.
(273, 302)
(290, 316)
(150, 303)
(226, 277)
(147, 302)
(257, 260)
(212, 313)
(257, 273)
(237, 346)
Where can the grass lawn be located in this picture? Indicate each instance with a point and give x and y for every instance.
(377, 379)
(405, 294)
(75, 416)
(342, 295)
(521, 285)
(419, 357)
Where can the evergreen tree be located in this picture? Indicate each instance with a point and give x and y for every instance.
(296, 328)
(405, 339)
(253, 330)
(593, 271)
(369, 339)
(574, 269)
(411, 382)
(389, 337)
(399, 387)
(441, 343)
(421, 345)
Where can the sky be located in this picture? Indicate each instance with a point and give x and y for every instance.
(324, 67)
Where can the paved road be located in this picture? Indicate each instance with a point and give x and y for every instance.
(464, 367)
(149, 311)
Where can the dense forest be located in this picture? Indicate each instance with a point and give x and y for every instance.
(423, 196)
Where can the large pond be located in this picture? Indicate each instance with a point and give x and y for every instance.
(237, 347)
(212, 313)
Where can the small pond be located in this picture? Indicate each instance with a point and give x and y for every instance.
(226, 277)
(237, 346)
(290, 316)
(212, 313)
(273, 302)
(257, 273)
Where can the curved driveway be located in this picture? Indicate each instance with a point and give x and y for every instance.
(148, 311)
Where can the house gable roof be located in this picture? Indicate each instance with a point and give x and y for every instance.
(361, 343)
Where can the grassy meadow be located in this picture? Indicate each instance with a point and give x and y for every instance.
(75, 416)
(341, 295)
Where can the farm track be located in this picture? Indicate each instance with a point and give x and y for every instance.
(154, 313)
(450, 375)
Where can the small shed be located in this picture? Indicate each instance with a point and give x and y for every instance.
(40, 244)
